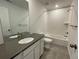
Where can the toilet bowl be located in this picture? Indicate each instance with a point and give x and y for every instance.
(48, 42)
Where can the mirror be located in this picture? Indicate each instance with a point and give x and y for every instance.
(14, 16)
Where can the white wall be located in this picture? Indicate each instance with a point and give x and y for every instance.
(17, 16)
(56, 20)
(42, 21)
(37, 16)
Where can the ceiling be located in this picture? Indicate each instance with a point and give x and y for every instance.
(20, 3)
(50, 4)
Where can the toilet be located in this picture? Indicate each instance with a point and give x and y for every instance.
(48, 42)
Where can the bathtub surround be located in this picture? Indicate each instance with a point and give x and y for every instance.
(55, 21)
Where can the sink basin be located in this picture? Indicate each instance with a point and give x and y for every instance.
(26, 40)
(15, 36)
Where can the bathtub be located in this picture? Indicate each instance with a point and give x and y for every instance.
(57, 39)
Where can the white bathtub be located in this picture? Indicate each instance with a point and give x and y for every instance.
(59, 40)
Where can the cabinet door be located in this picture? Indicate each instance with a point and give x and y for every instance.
(20, 56)
(42, 46)
(30, 55)
(37, 52)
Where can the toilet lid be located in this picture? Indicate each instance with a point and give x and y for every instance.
(48, 39)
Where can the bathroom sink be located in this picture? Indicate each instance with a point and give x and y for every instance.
(26, 40)
(15, 36)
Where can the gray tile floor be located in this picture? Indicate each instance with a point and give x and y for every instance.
(55, 52)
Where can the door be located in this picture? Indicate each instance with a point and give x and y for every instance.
(73, 31)
(4, 18)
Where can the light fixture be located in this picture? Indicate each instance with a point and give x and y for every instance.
(56, 6)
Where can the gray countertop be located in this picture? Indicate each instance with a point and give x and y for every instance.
(11, 48)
